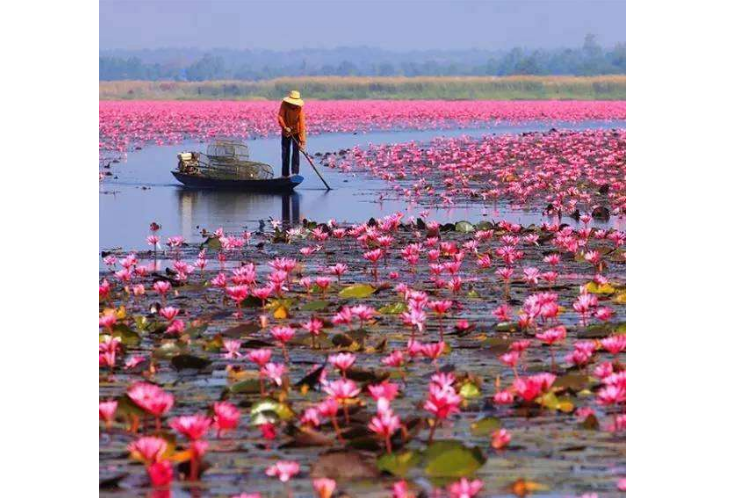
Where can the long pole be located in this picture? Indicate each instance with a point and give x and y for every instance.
(311, 162)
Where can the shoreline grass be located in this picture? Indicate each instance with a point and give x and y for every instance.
(611, 87)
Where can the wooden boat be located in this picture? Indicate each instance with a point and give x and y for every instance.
(269, 185)
(226, 165)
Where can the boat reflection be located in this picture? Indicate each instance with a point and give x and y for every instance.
(233, 211)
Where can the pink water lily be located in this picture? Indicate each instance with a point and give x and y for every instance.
(283, 470)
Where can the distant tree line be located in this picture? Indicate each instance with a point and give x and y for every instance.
(192, 65)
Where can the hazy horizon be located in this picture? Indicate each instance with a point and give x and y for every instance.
(397, 25)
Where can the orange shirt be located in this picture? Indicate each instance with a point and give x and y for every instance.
(293, 117)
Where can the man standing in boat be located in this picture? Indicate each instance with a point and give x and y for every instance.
(292, 122)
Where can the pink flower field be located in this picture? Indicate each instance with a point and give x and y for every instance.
(124, 125)
(392, 356)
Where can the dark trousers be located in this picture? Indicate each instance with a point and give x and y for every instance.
(288, 143)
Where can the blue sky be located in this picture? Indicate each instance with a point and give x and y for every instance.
(390, 24)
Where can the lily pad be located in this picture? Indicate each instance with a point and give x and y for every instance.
(398, 464)
(126, 335)
(485, 426)
(452, 459)
(344, 465)
(465, 227)
(196, 330)
(594, 288)
(394, 308)
(315, 306)
(169, 349)
(552, 402)
(189, 361)
(283, 411)
(573, 381)
(242, 329)
(470, 390)
(248, 386)
(358, 291)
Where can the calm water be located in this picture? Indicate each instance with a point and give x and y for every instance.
(144, 190)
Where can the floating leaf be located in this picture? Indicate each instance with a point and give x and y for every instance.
(196, 330)
(214, 344)
(249, 386)
(280, 313)
(306, 438)
(189, 361)
(242, 329)
(594, 288)
(344, 465)
(470, 390)
(464, 227)
(398, 464)
(283, 411)
(507, 327)
(597, 331)
(126, 335)
(357, 291)
(485, 426)
(452, 459)
(573, 381)
(620, 298)
(617, 256)
(126, 407)
(394, 308)
(142, 322)
(212, 243)
(590, 423)
(312, 379)
(315, 306)
(169, 349)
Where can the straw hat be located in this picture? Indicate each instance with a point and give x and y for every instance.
(294, 98)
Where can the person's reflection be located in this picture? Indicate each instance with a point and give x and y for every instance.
(291, 208)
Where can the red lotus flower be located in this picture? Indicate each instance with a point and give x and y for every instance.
(194, 427)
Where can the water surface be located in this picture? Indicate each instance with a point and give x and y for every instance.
(143, 190)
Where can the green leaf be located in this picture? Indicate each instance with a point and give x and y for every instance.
(126, 335)
(195, 331)
(597, 331)
(168, 350)
(564, 404)
(248, 386)
(214, 344)
(590, 423)
(573, 381)
(212, 243)
(507, 327)
(241, 330)
(263, 408)
(394, 308)
(357, 291)
(464, 227)
(470, 390)
(594, 288)
(398, 464)
(452, 459)
(485, 426)
(142, 322)
(189, 361)
(315, 306)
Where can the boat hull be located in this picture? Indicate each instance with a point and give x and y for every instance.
(272, 185)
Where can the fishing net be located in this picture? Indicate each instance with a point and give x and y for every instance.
(224, 160)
